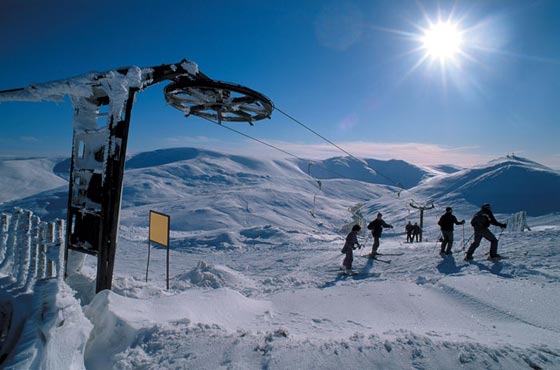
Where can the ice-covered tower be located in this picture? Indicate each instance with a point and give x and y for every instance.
(102, 109)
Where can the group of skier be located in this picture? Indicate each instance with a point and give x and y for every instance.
(376, 226)
(413, 232)
(480, 222)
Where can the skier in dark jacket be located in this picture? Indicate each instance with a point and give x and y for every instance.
(351, 240)
(480, 222)
(446, 223)
(408, 229)
(376, 226)
(416, 231)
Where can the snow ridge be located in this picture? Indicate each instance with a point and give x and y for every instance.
(511, 184)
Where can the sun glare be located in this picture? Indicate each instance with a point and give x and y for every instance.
(442, 41)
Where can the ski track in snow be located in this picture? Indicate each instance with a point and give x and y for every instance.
(492, 312)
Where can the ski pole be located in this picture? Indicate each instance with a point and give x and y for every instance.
(437, 240)
(364, 245)
(467, 242)
(463, 239)
(501, 232)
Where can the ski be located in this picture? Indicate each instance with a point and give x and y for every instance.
(444, 255)
(390, 254)
(359, 275)
(489, 259)
(497, 259)
(380, 260)
(377, 259)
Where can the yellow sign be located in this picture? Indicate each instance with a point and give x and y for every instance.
(159, 228)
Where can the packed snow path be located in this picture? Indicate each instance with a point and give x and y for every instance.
(273, 305)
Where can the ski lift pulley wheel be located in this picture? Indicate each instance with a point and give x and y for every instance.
(217, 100)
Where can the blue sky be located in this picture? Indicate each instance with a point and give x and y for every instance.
(354, 71)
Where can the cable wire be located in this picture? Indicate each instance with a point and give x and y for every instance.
(279, 149)
(316, 133)
(396, 183)
(253, 138)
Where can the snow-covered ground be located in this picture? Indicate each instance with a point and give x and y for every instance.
(255, 280)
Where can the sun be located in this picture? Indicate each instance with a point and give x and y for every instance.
(448, 45)
(442, 41)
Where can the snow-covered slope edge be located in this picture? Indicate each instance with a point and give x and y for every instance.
(54, 336)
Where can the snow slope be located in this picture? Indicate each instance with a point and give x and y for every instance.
(22, 177)
(285, 305)
(392, 172)
(255, 280)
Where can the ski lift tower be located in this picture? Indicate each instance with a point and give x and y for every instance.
(102, 109)
(422, 208)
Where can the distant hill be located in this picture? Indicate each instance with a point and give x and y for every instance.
(447, 168)
(165, 156)
(510, 184)
(209, 190)
(22, 177)
(391, 172)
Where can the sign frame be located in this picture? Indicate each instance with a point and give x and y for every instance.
(160, 235)
(158, 221)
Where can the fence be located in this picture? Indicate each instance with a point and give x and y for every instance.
(30, 249)
(518, 222)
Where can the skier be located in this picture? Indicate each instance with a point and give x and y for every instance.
(408, 229)
(351, 240)
(376, 226)
(446, 223)
(480, 222)
(416, 231)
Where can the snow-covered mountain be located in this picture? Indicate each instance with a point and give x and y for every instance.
(22, 177)
(447, 168)
(510, 184)
(215, 190)
(255, 281)
(392, 172)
